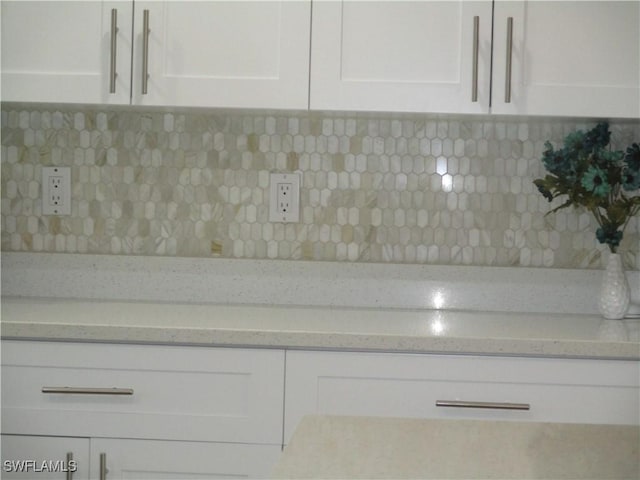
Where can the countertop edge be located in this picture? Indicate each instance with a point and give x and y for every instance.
(296, 340)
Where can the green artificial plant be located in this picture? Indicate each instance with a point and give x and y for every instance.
(590, 174)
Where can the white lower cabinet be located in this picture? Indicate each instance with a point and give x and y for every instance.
(153, 411)
(30, 456)
(482, 387)
(156, 459)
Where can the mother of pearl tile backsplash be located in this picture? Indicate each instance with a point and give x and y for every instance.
(376, 188)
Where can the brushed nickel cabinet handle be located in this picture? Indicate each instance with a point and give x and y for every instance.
(114, 42)
(145, 51)
(69, 460)
(485, 405)
(103, 466)
(507, 86)
(474, 81)
(88, 391)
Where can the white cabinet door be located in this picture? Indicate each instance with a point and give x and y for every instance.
(412, 56)
(152, 459)
(30, 457)
(61, 51)
(200, 53)
(574, 58)
(27, 456)
(397, 385)
(223, 53)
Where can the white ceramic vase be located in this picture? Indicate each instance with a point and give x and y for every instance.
(614, 293)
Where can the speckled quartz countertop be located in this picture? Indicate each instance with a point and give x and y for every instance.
(326, 446)
(418, 331)
(312, 305)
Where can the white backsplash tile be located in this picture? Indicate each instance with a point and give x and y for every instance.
(414, 189)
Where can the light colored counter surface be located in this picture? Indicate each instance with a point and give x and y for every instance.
(280, 304)
(366, 447)
(393, 330)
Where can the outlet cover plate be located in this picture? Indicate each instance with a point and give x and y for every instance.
(56, 191)
(284, 197)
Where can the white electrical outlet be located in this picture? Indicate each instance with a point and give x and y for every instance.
(56, 190)
(284, 197)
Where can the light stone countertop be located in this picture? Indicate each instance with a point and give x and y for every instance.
(366, 447)
(389, 330)
(312, 305)
(303, 283)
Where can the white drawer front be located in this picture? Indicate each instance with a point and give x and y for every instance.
(182, 393)
(393, 385)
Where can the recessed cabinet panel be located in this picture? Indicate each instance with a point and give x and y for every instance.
(222, 53)
(401, 56)
(574, 58)
(247, 56)
(400, 37)
(63, 51)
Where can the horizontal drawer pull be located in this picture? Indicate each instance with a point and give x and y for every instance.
(489, 405)
(88, 391)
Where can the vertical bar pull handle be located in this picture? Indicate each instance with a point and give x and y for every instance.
(507, 86)
(69, 470)
(145, 51)
(114, 39)
(103, 466)
(474, 80)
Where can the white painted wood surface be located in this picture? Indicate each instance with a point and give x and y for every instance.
(224, 54)
(236, 397)
(399, 56)
(396, 385)
(135, 459)
(216, 54)
(570, 58)
(155, 459)
(180, 393)
(60, 51)
(16, 449)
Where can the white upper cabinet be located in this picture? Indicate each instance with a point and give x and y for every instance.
(571, 58)
(527, 57)
(62, 51)
(196, 53)
(223, 53)
(574, 58)
(412, 56)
